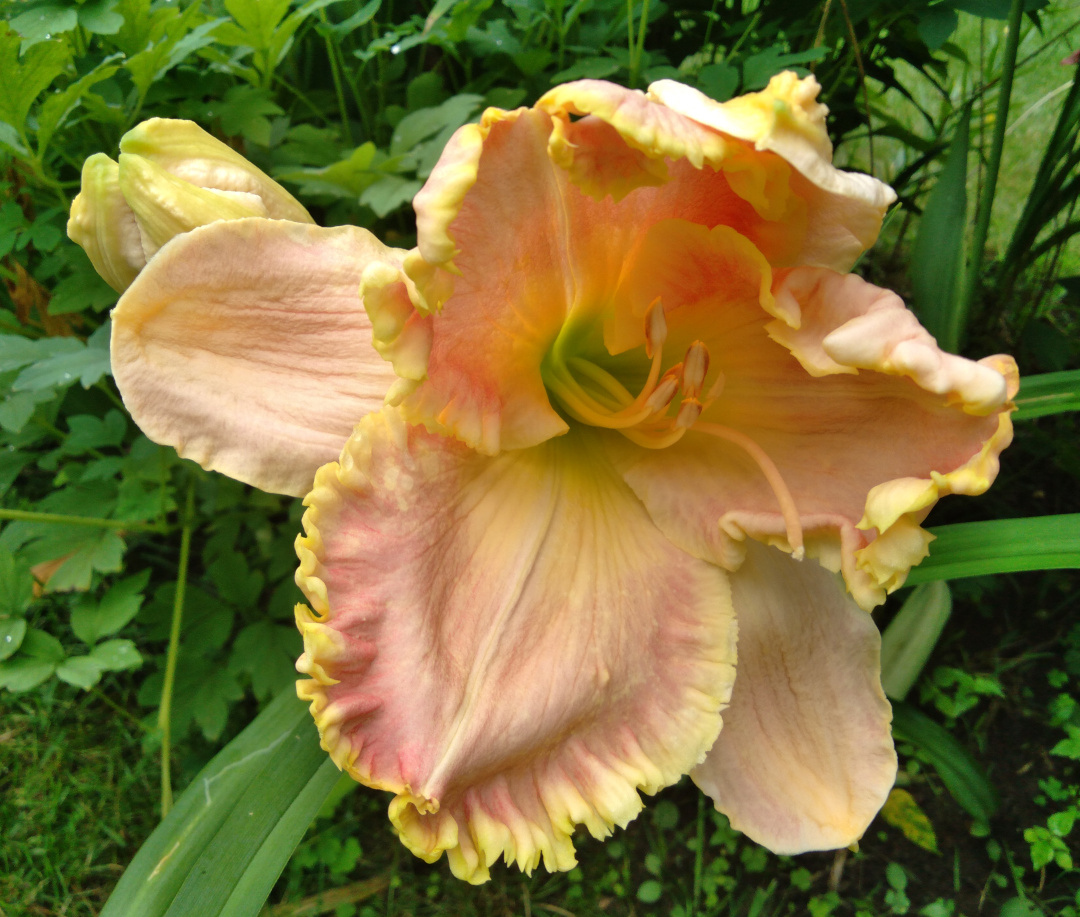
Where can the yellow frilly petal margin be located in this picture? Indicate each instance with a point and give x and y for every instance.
(460, 655)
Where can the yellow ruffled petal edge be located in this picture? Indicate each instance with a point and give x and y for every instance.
(524, 811)
(438, 202)
(896, 508)
(784, 118)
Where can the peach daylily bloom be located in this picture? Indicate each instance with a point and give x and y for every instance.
(635, 432)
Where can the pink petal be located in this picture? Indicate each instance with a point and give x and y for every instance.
(506, 643)
(491, 213)
(244, 345)
(805, 759)
(866, 421)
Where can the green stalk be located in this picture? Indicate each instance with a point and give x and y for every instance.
(699, 855)
(993, 165)
(165, 710)
(335, 72)
(21, 515)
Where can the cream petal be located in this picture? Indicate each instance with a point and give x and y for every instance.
(806, 758)
(244, 344)
(505, 642)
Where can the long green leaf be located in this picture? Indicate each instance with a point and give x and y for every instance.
(962, 775)
(1001, 546)
(1049, 393)
(937, 258)
(235, 826)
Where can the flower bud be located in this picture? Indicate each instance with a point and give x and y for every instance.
(172, 177)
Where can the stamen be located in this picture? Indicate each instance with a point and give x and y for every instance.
(696, 365)
(788, 510)
(665, 390)
(655, 327)
(689, 412)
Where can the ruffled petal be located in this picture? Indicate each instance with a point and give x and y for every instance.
(806, 757)
(507, 643)
(786, 119)
(840, 391)
(490, 220)
(244, 345)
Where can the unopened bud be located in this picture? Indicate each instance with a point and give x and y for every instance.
(103, 224)
(172, 177)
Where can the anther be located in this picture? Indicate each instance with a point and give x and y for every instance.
(696, 367)
(655, 327)
(689, 412)
(665, 390)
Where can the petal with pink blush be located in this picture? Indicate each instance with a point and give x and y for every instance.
(503, 298)
(244, 344)
(464, 655)
(785, 119)
(824, 387)
(806, 758)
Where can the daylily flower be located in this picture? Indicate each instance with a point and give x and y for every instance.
(637, 432)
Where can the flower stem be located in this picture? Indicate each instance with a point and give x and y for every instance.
(20, 515)
(165, 710)
(986, 200)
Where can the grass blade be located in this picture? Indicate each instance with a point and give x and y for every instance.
(1001, 546)
(1049, 393)
(962, 775)
(937, 259)
(246, 810)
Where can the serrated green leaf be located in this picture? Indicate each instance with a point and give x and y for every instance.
(56, 107)
(24, 80)
(419, 125)
(1001, 546)
(44, 21)
(103, 551)
(16, 585)
(81, 671)
(389, 193)
(230, 834)
(265, 652)
(93, 620)
(101, 17)
(12, 632)
(218, 691)
(937, 258)
(86, 363)
(1048, 393)
(117, 655)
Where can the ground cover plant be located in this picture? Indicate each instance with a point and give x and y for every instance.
(146, 605)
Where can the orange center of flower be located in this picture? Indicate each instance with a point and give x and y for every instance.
(657, 417)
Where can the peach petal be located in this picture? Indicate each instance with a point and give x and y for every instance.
(462, 656)
(494, 206)
(244, 345)
(865, 429)
(806, 758)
